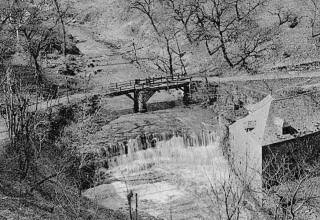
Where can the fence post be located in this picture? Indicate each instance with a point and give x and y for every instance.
(129, 197)
(136, 206)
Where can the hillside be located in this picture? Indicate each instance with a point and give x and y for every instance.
(113, 22)
(86, 152)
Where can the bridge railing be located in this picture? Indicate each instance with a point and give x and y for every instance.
(143, 83)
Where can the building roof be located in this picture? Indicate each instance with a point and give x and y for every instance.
(300, 113)
(262, 104)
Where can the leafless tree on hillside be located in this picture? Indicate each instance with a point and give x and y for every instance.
(283, 14)
(227, 198)
(229, 27)
(7, 38)
(166, 35)
(4, 15)
(314, 18)
(18, 121)
(61, 16)
(291, 188)
(38, 30)
(290, 184)
(146, 7)
(185, 12)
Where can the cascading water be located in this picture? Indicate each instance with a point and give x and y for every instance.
(163, 170)
(158, 146)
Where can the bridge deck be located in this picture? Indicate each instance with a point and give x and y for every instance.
(155, 84)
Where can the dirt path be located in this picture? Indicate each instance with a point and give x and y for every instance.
(265, 76)
(104, 59)
(106, 65)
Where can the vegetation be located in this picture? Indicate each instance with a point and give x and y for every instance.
(47, 164)
(226, 28)
(36, 165)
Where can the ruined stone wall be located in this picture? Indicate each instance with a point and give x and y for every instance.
(297, 153)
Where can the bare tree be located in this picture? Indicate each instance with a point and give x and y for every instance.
(7, 47)
(38, 29)
(229, 27)
(7, 37)
(167, 35)
(230, 197)
(61, 16)
(185, 12)
(146, 7)
(314, 17)
(4, 14)
(290, 188)
(18, 121)
(283, 14)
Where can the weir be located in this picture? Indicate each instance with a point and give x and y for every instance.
(129, 150)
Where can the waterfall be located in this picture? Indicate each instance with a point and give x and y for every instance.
(160, 146)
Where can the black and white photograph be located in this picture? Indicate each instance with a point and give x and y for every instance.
(160, 109)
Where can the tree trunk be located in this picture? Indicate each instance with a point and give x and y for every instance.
(189, 38)
(64, 48)
(170, 57)
(153, 24)
(224, 51)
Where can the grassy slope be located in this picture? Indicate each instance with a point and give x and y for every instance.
(113, 22)
(297, 41)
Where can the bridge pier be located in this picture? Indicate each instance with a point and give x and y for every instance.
(143, 98)
(140, 99)
(142, 102)
(186, 94)
(135, 102)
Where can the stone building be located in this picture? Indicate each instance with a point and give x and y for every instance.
(275, 127)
